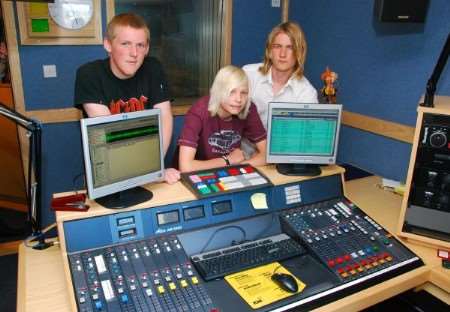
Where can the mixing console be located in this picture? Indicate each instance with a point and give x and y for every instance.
(346, 240)
(140, 260)
(147, 275)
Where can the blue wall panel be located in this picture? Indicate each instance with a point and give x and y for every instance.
(373, 153)
(62, 163)
(383, 69)
(49, 93)
(252, 21)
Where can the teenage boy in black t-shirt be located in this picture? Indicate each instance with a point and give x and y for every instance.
(127, 80)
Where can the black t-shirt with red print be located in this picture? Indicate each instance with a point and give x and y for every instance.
(96, 83)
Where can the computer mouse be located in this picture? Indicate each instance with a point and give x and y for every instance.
(285, 281)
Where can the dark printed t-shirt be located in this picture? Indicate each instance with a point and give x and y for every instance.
(96, 83)
(214, 137)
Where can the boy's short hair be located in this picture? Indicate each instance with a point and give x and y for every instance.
(227, 79)
(126, 19)
(297, 36)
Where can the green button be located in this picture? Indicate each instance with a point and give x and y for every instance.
(204, 190)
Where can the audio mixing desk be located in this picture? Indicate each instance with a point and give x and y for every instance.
(139, 259)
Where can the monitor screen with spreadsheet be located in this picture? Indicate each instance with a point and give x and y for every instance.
(302, 136)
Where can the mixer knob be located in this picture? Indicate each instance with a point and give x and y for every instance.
(438, 139)
(98, 305)
(124, 298)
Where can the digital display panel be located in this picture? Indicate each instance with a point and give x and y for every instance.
(127, 232)
(168, 217)
(222, 207)
(125, 221)
(192, 213)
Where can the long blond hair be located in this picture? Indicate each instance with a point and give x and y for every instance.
(227, 79)
(297, 36)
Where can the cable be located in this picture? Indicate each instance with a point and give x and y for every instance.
(244, 234)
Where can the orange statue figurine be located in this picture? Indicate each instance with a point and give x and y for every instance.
(329, 90)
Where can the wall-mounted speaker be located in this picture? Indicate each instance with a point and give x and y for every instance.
(425, 214)
(402, 11)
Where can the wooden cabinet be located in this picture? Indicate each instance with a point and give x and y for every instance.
(425, 214)
(12, 181)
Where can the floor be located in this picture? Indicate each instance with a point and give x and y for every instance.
(409, 301)
(8, 282)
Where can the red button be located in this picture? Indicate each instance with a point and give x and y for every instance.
(234, 171)
(331, 263)
(339, 260)
(347, 257)
(249, 169)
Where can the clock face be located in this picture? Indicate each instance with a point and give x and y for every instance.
(71, 14)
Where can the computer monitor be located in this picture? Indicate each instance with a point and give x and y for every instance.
(121, 153)
(302, 136)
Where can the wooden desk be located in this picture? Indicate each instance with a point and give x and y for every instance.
(42, 285)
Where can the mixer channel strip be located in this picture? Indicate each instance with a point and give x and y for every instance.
(150, 275)
(218, 263)
(350, 243)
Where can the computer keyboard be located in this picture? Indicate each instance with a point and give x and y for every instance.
(221, 262)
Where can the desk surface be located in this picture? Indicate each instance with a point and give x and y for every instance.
(42, 285)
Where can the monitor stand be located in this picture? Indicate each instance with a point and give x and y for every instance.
(299, 169)
(126, 198)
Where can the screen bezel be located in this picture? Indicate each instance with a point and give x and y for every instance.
(302, 159)
(154, 176)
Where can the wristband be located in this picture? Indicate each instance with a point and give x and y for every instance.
(226, 160)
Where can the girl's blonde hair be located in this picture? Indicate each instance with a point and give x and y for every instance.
(227, 79)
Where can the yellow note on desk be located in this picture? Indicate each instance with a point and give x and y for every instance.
(256, 287)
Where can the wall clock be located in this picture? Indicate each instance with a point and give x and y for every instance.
(63, 22)
(71, 14)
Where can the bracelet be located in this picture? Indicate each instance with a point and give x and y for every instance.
(226, 160)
